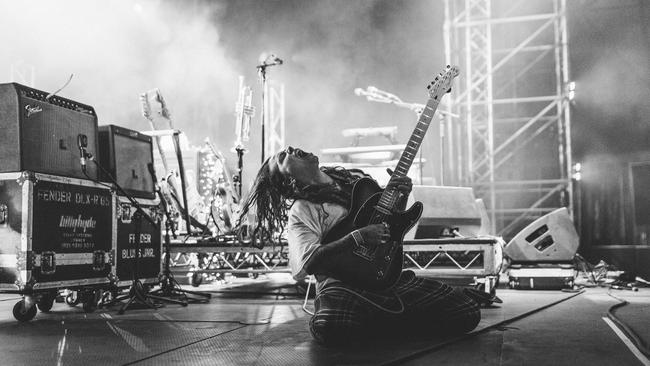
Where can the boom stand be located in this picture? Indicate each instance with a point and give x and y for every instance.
(168, 285)
(137, 292)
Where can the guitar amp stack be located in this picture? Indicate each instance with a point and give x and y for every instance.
(62, 224)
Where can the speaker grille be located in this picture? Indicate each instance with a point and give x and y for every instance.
(126, 155)
(40, 133)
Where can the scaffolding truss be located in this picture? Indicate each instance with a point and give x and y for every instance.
(512, 142)
(274, 139)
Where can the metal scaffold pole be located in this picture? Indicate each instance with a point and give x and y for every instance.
(275, 134)
(512, 143)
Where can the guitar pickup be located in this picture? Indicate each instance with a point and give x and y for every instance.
(382, 210)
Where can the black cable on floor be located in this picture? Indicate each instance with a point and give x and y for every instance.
(261, 322)
(11, 298)
(638, 341)
(182, 346)
(472, 334)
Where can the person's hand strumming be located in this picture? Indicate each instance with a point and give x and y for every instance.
(375, 234)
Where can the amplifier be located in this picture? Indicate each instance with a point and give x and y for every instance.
(126, 154)
(138, 238)
(445, 208)
(55, 232)
(40, 132)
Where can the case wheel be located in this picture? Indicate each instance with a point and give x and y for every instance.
(90, 300)
(72, 299)
(197, 279)
(45, 303)
(253, 275)
(24, 315)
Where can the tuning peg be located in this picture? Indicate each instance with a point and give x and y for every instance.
(429, 86)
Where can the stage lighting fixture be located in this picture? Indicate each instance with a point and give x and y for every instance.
(577, 172)
(571, 88)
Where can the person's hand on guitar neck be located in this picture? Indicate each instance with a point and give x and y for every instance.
(403, 186)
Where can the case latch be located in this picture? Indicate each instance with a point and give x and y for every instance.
(48, 263)
(99, 260)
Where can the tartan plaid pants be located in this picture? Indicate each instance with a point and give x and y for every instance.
(414, 305)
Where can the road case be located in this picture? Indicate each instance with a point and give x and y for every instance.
(542, 276)
(135, 233)
(55, 233)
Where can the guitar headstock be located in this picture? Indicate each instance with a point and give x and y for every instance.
(164, 111)
(442, 83)
(154, 95)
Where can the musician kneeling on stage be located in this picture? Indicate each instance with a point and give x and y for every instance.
(290, 189)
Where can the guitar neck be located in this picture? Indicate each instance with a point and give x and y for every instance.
(388, 197)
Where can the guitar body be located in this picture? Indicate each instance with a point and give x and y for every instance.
(380, 266)
(376, 267)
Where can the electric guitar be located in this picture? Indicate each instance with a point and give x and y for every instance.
(378, 267)
(158, 114)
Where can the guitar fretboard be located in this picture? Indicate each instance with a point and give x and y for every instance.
(389, 197)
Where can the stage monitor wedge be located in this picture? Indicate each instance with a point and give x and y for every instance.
(126, 155)
(550, 238)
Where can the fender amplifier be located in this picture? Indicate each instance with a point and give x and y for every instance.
(40, 132)
(126, 154)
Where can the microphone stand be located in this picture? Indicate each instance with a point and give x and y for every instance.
(137, 292)
(169, 287)
(261, 69)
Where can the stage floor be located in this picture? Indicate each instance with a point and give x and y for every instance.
(261, 322)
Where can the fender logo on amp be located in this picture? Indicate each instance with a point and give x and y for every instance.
(31, 110)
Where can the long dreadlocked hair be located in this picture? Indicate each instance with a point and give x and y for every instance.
(273, 194)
